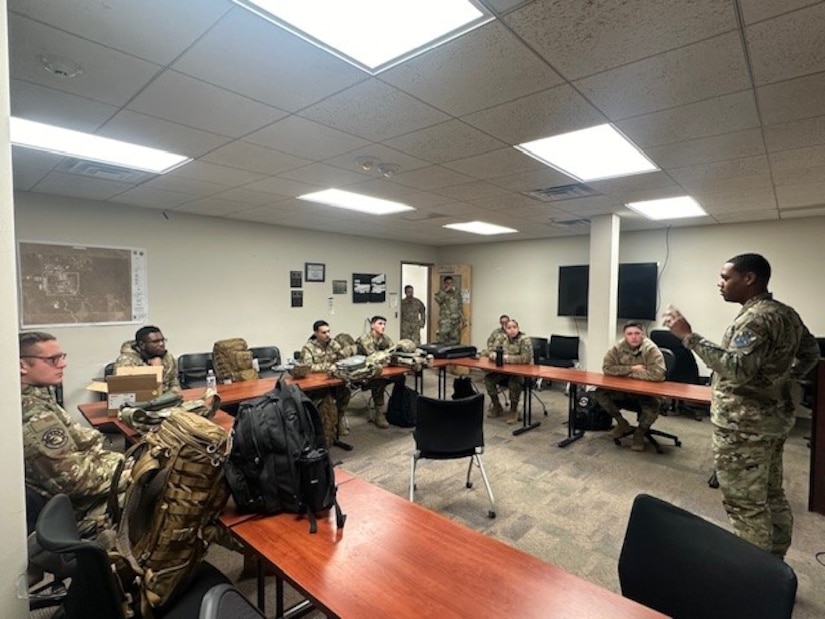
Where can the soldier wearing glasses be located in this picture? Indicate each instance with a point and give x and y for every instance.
(61, 456)
(149, 348)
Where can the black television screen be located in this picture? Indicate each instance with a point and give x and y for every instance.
(573, 287)
(637, 290)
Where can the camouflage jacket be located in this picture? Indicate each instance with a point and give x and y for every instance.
(496, 338)
(367, 344)
(517, 350)
(765, 349)
(130, 357)
(63, 457)
(450, 307)
(320, 358)
(620, 358)
(413, 312)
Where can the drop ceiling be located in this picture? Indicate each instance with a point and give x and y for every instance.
(726, 97)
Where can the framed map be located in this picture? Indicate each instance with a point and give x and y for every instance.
(62, 285)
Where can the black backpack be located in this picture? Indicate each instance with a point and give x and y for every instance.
(463, 387)
(589, 415)
(279, 460)
(401, 405)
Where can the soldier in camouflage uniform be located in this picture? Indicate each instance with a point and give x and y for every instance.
(149, 348)
(498, 335)
(413, 316)
(369, 343)
(61, 456)
(450, 313)
(320, 353)
(517, 349)
(762, 354)
(634, 356)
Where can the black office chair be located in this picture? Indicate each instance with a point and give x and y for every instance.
(684, 566)
(686, 370)
(632, 404)
(450, 430)
(193, 368)
(226, 602)
(94, 592)
(268, 357)
(562, 351)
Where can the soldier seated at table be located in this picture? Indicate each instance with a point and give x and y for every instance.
(320, 353)
(369, 343)
(516, 348)
(147, 349)
(634, 356)
(498, 333)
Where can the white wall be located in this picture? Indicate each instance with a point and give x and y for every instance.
(212, 278)
(521, 278)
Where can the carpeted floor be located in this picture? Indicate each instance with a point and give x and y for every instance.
(570, 506)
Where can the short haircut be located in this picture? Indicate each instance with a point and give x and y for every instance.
(30, 339)
(449, 278)
(633, 323)
(502, 317)
(513, 320)
(144, 332)
(318, 324)
(376, 318)
(407, 287)
(752, 263)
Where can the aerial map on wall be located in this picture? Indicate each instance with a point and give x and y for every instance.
(75, 285)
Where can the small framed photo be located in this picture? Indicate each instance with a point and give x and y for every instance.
(314, 271)
(295, 279)
(339, 286)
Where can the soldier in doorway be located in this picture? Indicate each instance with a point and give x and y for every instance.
(450, 312)
(413, 316)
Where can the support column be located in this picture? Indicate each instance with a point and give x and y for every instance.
(603, 291)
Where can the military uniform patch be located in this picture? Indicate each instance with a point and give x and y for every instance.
(744, 339)
(54, 438)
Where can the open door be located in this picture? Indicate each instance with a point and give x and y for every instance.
(461, 274)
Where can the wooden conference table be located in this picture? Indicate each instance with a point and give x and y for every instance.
(394, 558)
(576, 378)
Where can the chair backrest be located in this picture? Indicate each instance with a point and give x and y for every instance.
(686, 370)
(267, 356)
(225, 602)
(539, 348)
(192, 369)
(684, 566)
(563, 347)
(449, 428)
(670, 362)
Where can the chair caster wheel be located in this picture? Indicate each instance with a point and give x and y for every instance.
(491, 514)
(469, 484)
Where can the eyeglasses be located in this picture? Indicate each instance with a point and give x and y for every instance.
(53, 360)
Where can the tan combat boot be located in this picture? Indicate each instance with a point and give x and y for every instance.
(513, 418)
(622, 428)
(495, 408)
(381, 417)
(343, 426)
(638, 443)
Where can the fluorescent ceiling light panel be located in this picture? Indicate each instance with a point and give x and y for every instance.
(668, 208)
(480, 227)
(590, 154)
(373, 35)
(30, 134)
(356, 202)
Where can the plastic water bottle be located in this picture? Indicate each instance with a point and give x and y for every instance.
(211, 380)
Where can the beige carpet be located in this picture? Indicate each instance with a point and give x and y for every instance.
(570, 506)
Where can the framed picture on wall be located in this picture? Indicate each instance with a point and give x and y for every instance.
(339, 286)
(314, 271)
(295, 279)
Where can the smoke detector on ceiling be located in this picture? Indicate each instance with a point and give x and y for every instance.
(64, 68)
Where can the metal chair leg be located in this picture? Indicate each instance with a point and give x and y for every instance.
(413, 462)
(492, 512)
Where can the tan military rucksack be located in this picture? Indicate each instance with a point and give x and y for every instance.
(232, 360)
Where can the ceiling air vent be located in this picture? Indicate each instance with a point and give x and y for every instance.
(103, 171)
(562, 192)
(569, 223)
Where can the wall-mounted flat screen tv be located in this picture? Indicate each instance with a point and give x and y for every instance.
(636, 295)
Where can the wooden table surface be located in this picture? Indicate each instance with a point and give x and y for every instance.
(394, 558)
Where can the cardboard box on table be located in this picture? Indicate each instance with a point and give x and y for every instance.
(129, 385)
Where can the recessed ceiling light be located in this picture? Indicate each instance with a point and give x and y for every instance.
(30, 134)
(668, 208)
(355, 202)
(480, 227)
(590, 154)
(373, 35)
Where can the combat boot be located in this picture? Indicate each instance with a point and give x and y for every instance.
(381, 418)
(343, 426)
(495, 408)
(638, 443)
(622, 428)
(513, 418)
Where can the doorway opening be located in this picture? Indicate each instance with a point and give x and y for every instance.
(417, 275)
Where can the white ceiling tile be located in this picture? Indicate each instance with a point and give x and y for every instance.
(255, 58)
(377, 153)
(704, 70)
(304, 138)
(799, 166)
(734, 168)
(553, 111)
(248, 196)
(502, 6)
(533, 179)
(428, 179)
(254, 158)
(184, 185)
(630, 185)
(324, 175)
(385, 188)
(796, 134)
(583, 38)
(24, 178)
(445, 142)
(76, 186)
(500, 162)
(716, 116)
(788, 46)
(801, 213)
(108, 75)
(187, 101)
(792, 196)
(474, 72)
(706, 150)
(156, 133)
(739, 183)
(213, 173)
(56, 107)
(758, 10)
(792, 100)
(213, 206)
(35, 159)
(284, 187)
(729, 202)
(375, 111)
(516, 201)
(745, 216)
(151, 197)
(473, 191)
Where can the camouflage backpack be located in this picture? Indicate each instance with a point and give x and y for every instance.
(407, 354)
(143, 416)
(232, 360)
(349, 346)
(359, 368)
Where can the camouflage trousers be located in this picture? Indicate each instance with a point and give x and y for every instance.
(449, 332)
(514, 383)
(613, 401)
(410, 331)
(749, 470)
